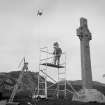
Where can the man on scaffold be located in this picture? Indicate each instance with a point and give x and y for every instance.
(57, 53)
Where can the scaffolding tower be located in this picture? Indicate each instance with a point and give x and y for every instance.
(45, 65)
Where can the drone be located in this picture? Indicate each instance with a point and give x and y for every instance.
(39, 13)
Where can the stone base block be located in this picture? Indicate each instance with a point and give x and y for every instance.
(89, 95)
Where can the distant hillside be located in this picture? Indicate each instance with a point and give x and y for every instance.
(30, 82)
(7, 80)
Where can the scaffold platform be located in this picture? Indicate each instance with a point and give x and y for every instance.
(52, 65)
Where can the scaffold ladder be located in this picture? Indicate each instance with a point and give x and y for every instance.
(61, 85)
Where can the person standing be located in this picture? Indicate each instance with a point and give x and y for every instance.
(57, 53)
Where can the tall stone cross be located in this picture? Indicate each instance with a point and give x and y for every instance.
(85, 36)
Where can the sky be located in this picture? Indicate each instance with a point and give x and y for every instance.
(23, 33)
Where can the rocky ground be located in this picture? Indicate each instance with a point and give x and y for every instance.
(56, 102)
(29, 83)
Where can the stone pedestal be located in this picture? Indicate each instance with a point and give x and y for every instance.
(89, 95)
